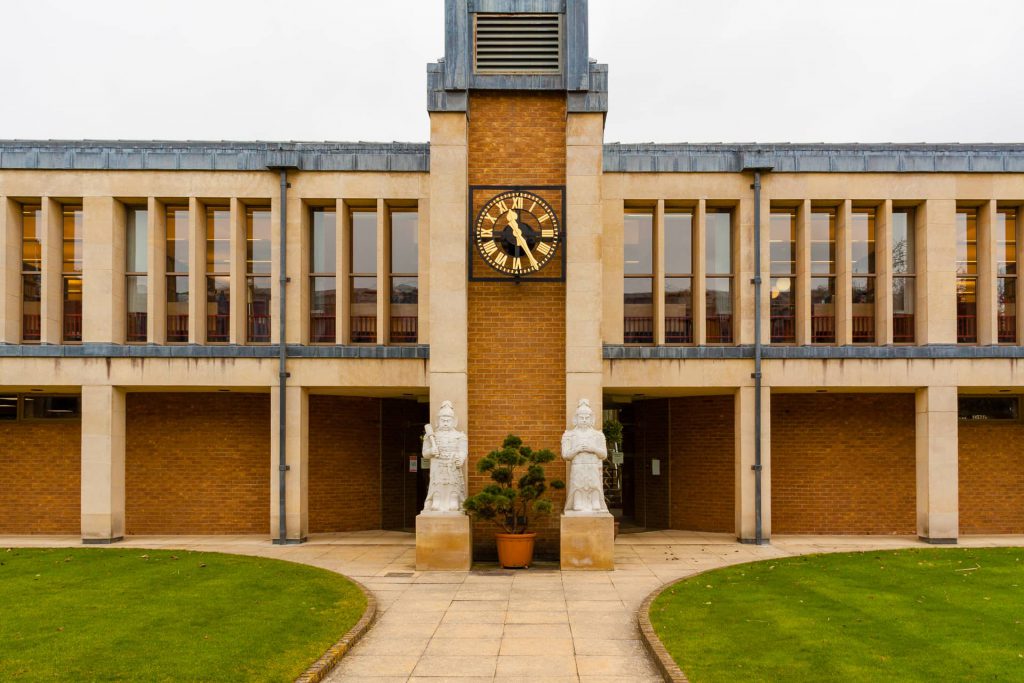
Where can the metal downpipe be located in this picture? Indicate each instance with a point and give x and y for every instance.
(282, 466)
(758, 529)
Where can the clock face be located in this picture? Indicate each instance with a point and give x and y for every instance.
(517, 233)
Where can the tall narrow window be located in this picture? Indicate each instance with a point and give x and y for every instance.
(218, 269)
(967, 276)
(823, 276)
(679, 277)
(72, 274)
(903, 267)
(177, 225)
(1006, 264)
(31, 272)
(323, 288)
(862, 254)
(718, 282)
(638, 286)
(404, 276)
(783, 276)
(136, 282)
(257, 274)
(363, 273)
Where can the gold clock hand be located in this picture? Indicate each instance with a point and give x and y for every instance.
(520, 240)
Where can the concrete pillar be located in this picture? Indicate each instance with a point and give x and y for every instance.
(156, 259)
(803, 273)
(988, 245)
(237, 324)
(699, 288)
(935, 230)
(938, 518)
(196, 271)
(844, 276)
(103, 427)
(883, 281)
(10, 271)
(743, 265)
(297, 318)
(51, 232)
(745, 475)
(383, 269)
(297, 461)
(613, 219)
(343, 229)
(103, 302)
(657, 270)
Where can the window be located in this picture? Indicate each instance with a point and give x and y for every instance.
(8, 408)
(989, 407)
(323, 299)
(823, 275)
(638, 270)
(43, 407)
(1006, 272)
(363, 275)
(257, 274)
(903, 292)
(718, 281)
(177, 227)
(31, 272)
(679, 277)
(71, 275)
(967, 276)
(404, 279)
(218, 278)
(136, 282)
(862, 254)
(782, 251)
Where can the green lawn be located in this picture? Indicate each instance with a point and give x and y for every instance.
(909, 615)
(102, 614)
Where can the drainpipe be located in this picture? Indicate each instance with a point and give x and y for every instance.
(756, 187)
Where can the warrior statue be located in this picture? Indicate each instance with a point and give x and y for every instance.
(447, 449)
(585, 448)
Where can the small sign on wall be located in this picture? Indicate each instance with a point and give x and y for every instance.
(656, 467)
(414, 463)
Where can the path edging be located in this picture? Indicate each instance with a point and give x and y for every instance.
(666, 665)
(319, 669)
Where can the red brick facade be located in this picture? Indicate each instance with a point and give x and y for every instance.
(703, 463)
(40, 477)
(197, 463)
(843, 464)
(991, 477)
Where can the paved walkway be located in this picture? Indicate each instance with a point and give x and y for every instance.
(493, 625)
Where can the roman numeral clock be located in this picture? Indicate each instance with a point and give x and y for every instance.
(517, 233)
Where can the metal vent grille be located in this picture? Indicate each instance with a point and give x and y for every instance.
(518, 43)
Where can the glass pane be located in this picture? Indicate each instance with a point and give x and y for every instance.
(823, 242)
(322, 249)
(218, 239)
(135, 292)
(903, 241)
(136, 240)
(31, 246)
(218, 308)
(177, 239)
(988, 408)
(679, 243)
(72, 309)
(638, 310)
(257, 234)
(364, 242)
(783, 242)
(73, 217)
(862, 241)
(966, 310)
(903, 310)
(177, 308)
(405, 242)
(967, 242)
(258, 302)
(863, 310)
(1007, 308)
(638, 244)
(8, 408)
(404, 310)
(51, 407)
(718, 249)
(783, 310)
(322, 311)
(1006, 238)
(823, 313)
(363, 310)
(31, 296)
(719, 310)
(679, 310)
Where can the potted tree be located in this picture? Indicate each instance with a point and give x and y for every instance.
(612, 429)
(515, 497)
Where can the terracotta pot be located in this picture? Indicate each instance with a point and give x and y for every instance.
(515, 550)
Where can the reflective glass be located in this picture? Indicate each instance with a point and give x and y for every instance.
(257, 240)
(322, 310)
(177, 308)
(783, 242)
(718, 248)
(903, 241)
(364, 242)
(823, 242)
(638, 244)
(31, 245)
(218, 308)
(218, 240)
(258, 302)
(862, 241)
(324, 238)
(967, 242)
(136, 240)
(73, 219)
(404, 242)
(136, 292)
(1006, 247)
(177, 239)
(678, 243)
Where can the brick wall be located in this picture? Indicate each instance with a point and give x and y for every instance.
(197, 463)
(991, 477)
(40, 477)
(843, 464)
(344, 464)
(703, 464)
(516, 332)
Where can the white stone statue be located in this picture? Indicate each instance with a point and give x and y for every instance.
(585, 448)
(447, 449)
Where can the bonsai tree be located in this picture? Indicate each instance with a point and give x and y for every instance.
(518, 489)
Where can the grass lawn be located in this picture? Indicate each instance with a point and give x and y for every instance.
(907, 615)
(84, 614)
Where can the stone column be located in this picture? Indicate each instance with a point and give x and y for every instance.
(883, 268)
(156, 260)
(51, 233)
(196, 271)
(988, 248)
(935, 303)
(297, 461)
(699, 287)
(844, 276)
(238, 305)
(938, 518)
(803, 274)
(745, 475)
(10, 271)
(103, 439)
(103, 303)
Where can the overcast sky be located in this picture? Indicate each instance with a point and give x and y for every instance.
(681, 70)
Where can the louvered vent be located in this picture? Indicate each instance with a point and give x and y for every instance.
(518, 43)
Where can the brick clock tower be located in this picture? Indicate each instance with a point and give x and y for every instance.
(517, 122)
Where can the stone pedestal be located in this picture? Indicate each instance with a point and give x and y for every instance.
(588, 542)
(444, 542)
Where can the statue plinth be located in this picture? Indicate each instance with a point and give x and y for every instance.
(444, 542)
(588, 541)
